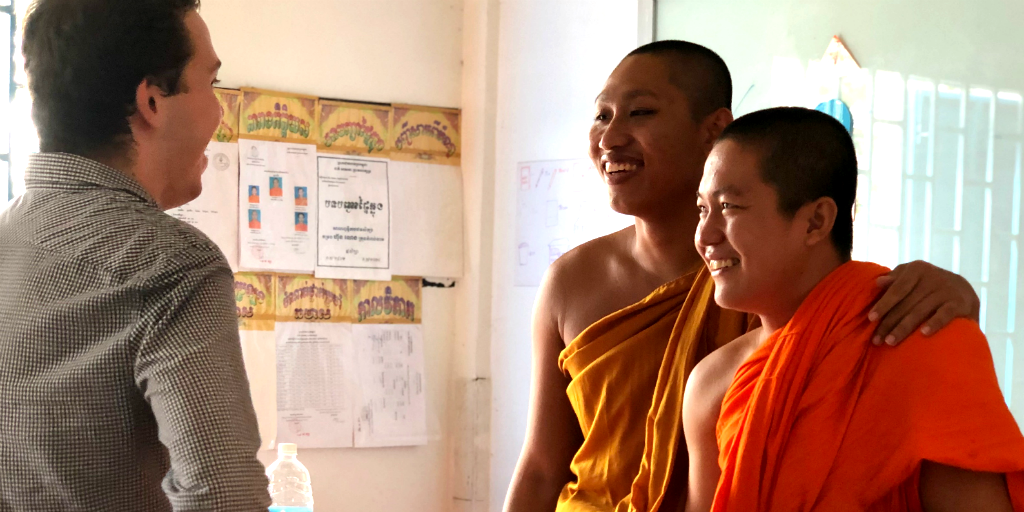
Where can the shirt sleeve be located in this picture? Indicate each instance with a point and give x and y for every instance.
(189, 368)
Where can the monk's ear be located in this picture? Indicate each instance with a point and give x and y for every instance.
(820, 216)
(712, 127)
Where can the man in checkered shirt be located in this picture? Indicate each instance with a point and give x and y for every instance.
(121, 379)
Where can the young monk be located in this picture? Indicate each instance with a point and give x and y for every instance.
(620, 321)
(803, 413)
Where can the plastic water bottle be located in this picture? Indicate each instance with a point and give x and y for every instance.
(289, 482)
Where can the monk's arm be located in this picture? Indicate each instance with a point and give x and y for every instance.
(919, 294)
(949, 489)
(553, 434)
(702, 404)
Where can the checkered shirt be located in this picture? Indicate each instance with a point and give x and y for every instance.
(122, 386)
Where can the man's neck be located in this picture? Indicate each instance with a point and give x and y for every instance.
(786, 304)
(663, 246)
(116, 161)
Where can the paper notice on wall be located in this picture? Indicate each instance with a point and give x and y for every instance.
(426, 219)
(215, 211)
(354, 223)
(277, 213)
(260, 356)
(313, 406)
(391, 408)
(561, 204)
(254, 305)
(314, 354)
(839, 59)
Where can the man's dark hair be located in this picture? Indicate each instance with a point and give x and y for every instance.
(699, 72)
(805, 155)
(85, 60)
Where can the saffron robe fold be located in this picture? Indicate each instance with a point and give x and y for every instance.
(818, 419)
(628, 374)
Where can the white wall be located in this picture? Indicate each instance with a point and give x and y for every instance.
(553, 56)
(406, 51)
(471, 395)
(396, 51)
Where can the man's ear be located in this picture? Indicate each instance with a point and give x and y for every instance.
(820, 218)
(149, 104)
(712, 127)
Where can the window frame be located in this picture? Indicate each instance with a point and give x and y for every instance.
(11, 89)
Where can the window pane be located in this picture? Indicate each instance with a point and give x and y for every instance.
(5, 193)
(5, 82)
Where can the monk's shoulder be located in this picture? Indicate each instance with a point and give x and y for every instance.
(586, 284)
(597, 252)
(958, 348)
(582, 268)
(711, 377)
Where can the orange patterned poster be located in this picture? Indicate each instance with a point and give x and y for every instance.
(426, 134)
(388, 302)
(278, 116)
(254, 301)
(353, 128)
(308, 299)
(230, 107)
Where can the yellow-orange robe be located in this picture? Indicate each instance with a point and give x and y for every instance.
(818, 419)
(628, 374)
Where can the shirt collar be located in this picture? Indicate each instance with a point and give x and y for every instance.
(63, 171)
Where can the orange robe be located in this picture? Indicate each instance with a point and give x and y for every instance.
(628, 374)
(818, 419)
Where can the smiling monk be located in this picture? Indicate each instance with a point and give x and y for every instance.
(620, 321)
(803, 413)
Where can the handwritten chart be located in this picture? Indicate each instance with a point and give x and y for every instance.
(561, 204)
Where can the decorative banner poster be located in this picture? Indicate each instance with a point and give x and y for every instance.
(561, 204)
(353, 128)
(354, 225)
(277, 219)
(215, 211)
(314, 350)
(254, 304)
(388, 302)
(392, 401)
(230, 108)
(278, 116)
(426, 134)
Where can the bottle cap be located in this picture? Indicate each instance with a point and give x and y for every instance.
(287, 449)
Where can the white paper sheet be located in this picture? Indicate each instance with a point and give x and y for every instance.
(561, 204)
(277, 212)
(260, 358)
(215, 211)
(391, 410)
(354, 218)
(314, 408)
(426, 219)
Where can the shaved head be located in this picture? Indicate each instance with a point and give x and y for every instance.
(699, 72)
